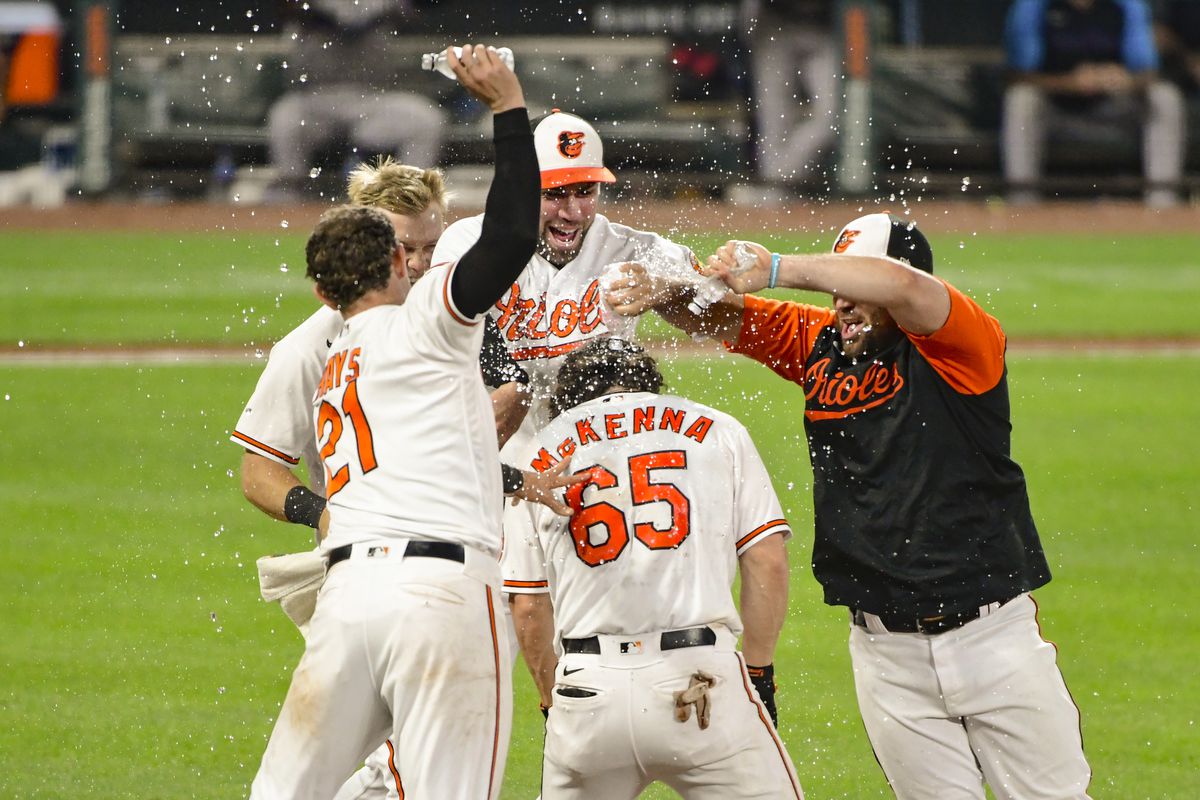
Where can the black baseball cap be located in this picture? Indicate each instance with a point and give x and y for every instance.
(886, 234)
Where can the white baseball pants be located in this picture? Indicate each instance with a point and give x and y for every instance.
(615, 743)
(403, 648)
(984, 702)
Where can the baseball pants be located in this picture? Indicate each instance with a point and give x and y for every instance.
(984, 702)
(406, 649)
(612, 728)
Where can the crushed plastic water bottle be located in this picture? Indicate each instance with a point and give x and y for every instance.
(437, 62)
(713, 288)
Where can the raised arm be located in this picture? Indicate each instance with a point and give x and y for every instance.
(511, 214)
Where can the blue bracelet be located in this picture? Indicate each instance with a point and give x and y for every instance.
(774, 270)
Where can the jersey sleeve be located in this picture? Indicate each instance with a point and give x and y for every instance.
(440, 330)
(757, 511)
(523, 562)
(457, 240)
(780, 334)
(277, 421)
(1024, 44)
(968, 350)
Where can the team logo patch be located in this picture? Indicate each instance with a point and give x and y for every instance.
(570, 143)
(631, 648)
(845, 240)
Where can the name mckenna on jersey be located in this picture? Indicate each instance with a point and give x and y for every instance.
(643, 419)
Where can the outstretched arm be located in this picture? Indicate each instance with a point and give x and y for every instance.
(637, 291)
(919, 302)
(512, 211)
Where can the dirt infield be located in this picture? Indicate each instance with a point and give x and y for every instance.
(672, 217)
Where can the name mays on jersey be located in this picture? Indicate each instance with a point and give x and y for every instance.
(642, 419)
(339, 364)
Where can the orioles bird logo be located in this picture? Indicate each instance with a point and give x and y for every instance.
(570, 143)
(845, 240)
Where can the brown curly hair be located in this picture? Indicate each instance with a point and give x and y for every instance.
(350, 253)
(607, 361)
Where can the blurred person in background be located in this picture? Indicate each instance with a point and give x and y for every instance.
(796, 69)
(1177, 34)
(1079, 64)
(342, 81)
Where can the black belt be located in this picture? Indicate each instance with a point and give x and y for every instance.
(670, 640)
(937, 623)
(450, 552)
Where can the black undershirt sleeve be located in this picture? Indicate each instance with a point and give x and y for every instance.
(510, 219)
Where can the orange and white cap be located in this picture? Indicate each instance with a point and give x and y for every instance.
(569, 151)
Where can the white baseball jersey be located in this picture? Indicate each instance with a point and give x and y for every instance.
(550, 311)
(678, 492)
(277, 421)
(405, 425)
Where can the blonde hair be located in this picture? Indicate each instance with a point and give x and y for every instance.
(395, 187)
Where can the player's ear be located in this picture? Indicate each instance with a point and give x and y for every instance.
(400, 261)
(323, 298)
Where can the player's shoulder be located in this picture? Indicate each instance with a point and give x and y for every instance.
(619, 232)
(457, 239)
(312, 335)
(700, 409)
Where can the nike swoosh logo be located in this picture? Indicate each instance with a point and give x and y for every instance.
(571, 671)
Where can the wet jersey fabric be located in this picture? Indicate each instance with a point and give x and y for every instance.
(919, 508)
(678, 493)
(402, 414)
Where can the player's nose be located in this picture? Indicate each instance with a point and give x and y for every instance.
(841, 304)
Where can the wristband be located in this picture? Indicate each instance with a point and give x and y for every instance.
(513, 479)
(303, 506)
(771, 281)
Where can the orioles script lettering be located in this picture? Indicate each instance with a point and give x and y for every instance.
(830, 396)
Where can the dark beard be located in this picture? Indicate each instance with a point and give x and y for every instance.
(556, 258)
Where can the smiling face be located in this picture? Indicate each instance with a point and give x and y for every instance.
(567, 213)
(418, 233)
(864, 329)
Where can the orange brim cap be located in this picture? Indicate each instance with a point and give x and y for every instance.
(553, 178)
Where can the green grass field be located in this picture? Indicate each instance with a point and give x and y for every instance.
(139, 661)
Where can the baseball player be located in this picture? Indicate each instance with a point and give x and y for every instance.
(276, 426)
(923, 525)
(633, 590)
(554, 305)
(403, 641)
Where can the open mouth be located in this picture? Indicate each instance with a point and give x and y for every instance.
(562, 238)
(852, 327)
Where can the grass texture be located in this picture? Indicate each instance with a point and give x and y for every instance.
(139, 661)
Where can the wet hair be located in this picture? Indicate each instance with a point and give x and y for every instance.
(395, 187)
(350, 253)
(589, 371)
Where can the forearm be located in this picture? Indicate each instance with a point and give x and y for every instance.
(533, 617)
(510, 219)
(919, 302)
(722, 320)
(510, 404)
(266, 483)
(764, 571)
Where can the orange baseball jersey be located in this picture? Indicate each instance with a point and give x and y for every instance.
(550, 310)
(277, 421)
(401, 413)
(677, 493)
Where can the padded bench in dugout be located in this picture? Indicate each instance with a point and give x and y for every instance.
(182, 102)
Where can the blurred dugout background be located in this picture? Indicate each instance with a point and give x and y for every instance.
(140, 99)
